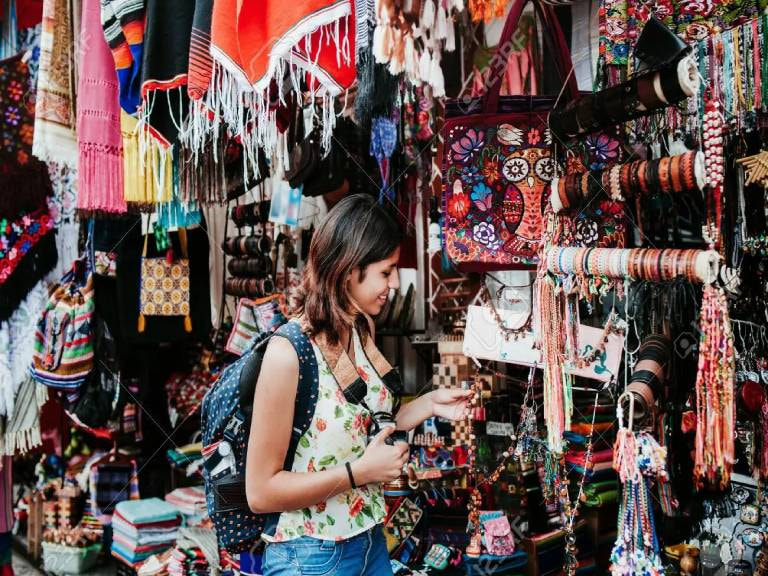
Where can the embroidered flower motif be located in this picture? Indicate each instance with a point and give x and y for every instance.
(482, 197)
(699, 8)
(358, 422)
(321, 424)
(485, 234)
(601, 150)
(470, 174)
(309, 528)
(458, 205)
(356, 507)
(490, 170)
(468, 144)
(320, 506)
(696, 31)
(534, 136)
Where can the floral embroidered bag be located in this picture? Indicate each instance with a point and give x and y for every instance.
(497, 162)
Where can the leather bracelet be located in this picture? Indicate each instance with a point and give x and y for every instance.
(351, 476)
(675, 173)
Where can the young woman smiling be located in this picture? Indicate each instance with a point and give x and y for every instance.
(328, 508)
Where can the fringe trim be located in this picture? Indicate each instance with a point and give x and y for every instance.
(100, 172)
(21, 442)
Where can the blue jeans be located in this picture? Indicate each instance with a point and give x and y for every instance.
(362, 555)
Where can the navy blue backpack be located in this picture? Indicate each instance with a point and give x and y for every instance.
(226, 418)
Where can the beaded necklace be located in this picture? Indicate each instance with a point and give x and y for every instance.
(714, 453)
(637, 458)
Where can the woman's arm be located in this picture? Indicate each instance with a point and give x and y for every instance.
(447, 403)
(268, 487)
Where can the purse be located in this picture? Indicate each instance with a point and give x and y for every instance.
(165, 285)
(498, 536)
(401, 523)
(497, 163)
(63, 355)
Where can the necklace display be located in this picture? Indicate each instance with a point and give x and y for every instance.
(715, 168)
(714, 453)
(638, 459)
(509, 332)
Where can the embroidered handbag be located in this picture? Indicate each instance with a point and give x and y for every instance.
(165, 285)
(63, 356)
(401, 523)
(497, 163)
(251, 319)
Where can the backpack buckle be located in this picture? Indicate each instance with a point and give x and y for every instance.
(233, 427)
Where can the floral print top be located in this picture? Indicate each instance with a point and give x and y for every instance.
(338, 434)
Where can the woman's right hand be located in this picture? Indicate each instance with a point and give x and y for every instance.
(381, 462)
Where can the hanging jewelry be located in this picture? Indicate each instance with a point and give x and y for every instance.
(715, 163)
(638, 459)
(714, 454)
(528, 441)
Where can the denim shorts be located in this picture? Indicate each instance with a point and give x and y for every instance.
(362, 555)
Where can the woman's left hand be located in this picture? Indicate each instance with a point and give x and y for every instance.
(451, 403)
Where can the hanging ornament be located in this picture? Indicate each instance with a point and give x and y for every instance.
(714, 453)
(715, 166)
(638, 459)
(756, 169)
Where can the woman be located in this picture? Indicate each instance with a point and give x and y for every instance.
(330, 503)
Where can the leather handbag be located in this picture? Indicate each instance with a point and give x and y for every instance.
(497, 162)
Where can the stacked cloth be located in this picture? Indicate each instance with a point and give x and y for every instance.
(142, 528)
(188, 561)
(190, 502)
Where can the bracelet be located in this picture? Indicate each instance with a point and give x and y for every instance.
(349, 473)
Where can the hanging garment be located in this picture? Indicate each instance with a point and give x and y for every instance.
(29, 13)
(55, 139)
(150, 181)
(123, 22)
(63, 208)
(200, 60)
(166, 62)
(22, 431)
(255, 41)
(98, 119)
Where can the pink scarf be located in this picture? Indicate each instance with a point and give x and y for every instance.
(98, 119)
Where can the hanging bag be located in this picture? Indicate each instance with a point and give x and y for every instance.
(165, 285)
(63, 356)
(497, 162)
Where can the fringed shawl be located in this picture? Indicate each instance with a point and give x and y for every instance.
(55, 139)
(254, 42)
(123, 22)
(98, 119)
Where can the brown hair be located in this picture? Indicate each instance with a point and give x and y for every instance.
(357, 232)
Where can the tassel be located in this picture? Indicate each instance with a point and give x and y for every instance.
(142, 324)
(436, 79)
(450, 37)
(458, 5)
(428, 14)
(397, 61)
(424, 65)
(187, 323)
(441, 27)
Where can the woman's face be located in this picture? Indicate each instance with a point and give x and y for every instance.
(372, 292)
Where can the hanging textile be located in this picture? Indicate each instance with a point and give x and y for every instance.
(63, 208)
(166, 63)
(200, 61)
(255, 41)
(29, 13)
(149, 181)
(98, 119)
(55, 139)
(123, 22)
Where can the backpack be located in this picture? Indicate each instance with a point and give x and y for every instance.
(225, 416)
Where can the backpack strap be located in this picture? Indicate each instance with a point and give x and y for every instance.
(307, 390)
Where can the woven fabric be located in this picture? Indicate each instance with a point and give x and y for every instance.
(55, 139)
(123, 22)
(200, 60)
(16, 110)
(100, 164)
(164, 287)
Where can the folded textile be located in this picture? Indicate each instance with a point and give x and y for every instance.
(132, 558)
(601, 498)
(138, 547)
(578, 457)
(123, 22)
(189, 501)
(584, 427)
(146, 511)
(130, 528)
(145, 538)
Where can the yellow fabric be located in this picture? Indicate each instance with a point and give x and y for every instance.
(152, 182)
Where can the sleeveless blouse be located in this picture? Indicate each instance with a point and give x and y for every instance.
(338, 434)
